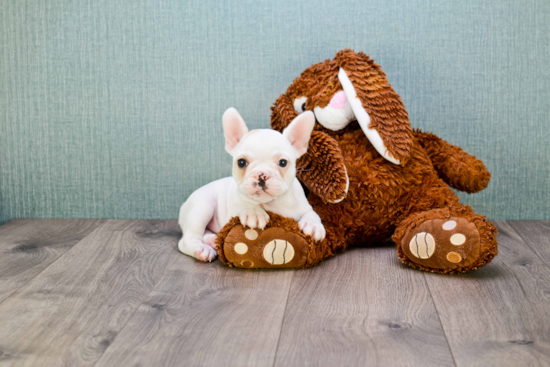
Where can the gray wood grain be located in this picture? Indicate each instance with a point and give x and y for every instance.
(500, 314)
(83, 293)
(28, 246)
(205, 314)
(536, 234)
(73, 310)
(362, 308)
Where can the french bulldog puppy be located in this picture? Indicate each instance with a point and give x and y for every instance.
(264, 178)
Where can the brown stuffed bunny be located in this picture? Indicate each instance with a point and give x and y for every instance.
(370, 176)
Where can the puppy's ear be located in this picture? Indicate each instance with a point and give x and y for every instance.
(299, 132)
(282, 113)
(377, 107)
(234, 129)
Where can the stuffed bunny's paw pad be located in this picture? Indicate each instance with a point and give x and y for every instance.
(443, 243)
(270, 248)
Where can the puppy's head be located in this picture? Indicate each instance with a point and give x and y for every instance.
(264, 161)
(351, 87)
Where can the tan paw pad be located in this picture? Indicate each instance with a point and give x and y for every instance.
(422, 245)
(241, 248)
(449, 225)
(251, 234)
(454, 257)
(458, 239)
(278, 252)
(247, 264)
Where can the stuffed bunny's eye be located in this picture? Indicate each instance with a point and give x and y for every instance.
(300, 104)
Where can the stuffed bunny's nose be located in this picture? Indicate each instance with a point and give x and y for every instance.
(339, 100)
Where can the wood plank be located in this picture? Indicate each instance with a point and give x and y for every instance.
(71, 312)
(362, 308)
(28, 246)
(536, 234)
(500, 314)
(205, 314)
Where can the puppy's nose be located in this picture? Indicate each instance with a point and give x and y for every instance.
(262, 178)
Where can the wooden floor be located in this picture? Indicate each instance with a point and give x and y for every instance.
(118, 293)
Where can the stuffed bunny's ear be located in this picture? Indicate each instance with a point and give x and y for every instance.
(299, 132)
(363, 117)
(378, 109)
(234, 129)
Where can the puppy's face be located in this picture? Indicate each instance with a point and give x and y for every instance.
(264, 161)
(264, 165)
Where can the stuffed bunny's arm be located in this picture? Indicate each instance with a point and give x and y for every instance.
(322, 169)
(459, 169)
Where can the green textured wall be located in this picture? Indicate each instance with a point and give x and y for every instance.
(112, 108)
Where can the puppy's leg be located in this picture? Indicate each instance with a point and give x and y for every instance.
(194, 217)
(311, 224)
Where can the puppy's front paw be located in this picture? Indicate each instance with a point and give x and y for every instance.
(254, 218)
(313, 228)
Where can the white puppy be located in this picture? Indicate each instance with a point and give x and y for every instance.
(264, 178)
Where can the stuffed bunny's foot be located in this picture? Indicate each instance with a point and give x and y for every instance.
(449, 243)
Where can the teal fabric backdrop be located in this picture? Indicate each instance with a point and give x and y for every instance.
(112, 108)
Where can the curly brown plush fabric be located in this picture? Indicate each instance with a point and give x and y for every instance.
(323, 166)
(411, 202)
(456, 167)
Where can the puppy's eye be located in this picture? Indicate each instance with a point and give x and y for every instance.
(283, 163)
(300, 104)
(242, 163)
